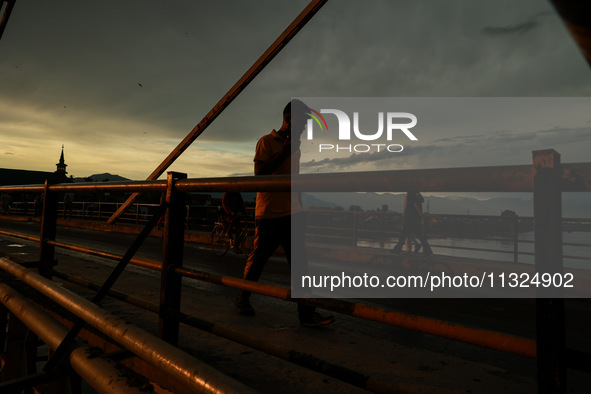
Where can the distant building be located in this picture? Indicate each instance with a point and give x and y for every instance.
(26, 177)
(508, 214)
(61, 166)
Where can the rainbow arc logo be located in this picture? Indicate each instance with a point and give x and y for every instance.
(316, 115)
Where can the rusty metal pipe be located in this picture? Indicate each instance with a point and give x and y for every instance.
(476, 336)
(136, 186)
(21, 236)
(150, 264)
(486, 338)
(143, 186)
(22, 189)
(294, 27)
(132, 300)
(494, 340)
(242, 284)
(499, 341)
(6, 14)
(303, 359)
(576, 177)
(477, 179)
(101, 374)
(196, 375)
(260, 288)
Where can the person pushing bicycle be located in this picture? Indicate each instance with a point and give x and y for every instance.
(229, 213)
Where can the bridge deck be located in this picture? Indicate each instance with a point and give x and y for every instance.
(422, 363)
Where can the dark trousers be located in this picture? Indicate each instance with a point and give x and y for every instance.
(413, 227)
(269, 235)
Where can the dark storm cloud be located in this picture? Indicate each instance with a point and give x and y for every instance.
(515, 29)
(519, 28)
(185, 55)
(72, 70)
(447, 152)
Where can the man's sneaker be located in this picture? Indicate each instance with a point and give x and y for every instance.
(395, 251)
(428, 254)
(316, 320)
(244, 308)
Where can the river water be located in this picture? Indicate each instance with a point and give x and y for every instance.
(575, 256)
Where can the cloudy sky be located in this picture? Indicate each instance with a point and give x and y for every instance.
(120, 84)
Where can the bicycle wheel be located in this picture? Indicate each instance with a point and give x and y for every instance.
(219, 241)
(247, 242)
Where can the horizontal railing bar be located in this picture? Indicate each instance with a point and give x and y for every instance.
(573, 244)
(480, 337)
(394, 234)
(273, 291)
(576, 257)
(137, 186)
(225, 332)
(361, 230)
(236, 283)
(21, 236)
(576, 177)
(99, 373)
(473, 249)
(306, 360)
(150, 264)
(22, 189)
(434, 327)
(499, 341)
(130, 186)
(486, 338)
(195, 374)
(156, 266)
(518, 178)
(260, 288)
(478, 179)
(321, 212)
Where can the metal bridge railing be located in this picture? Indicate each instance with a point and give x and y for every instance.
(547, 179)
(354, 228)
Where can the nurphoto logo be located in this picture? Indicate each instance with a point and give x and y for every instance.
(395, 123)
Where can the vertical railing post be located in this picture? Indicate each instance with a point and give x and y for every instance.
(172, 257)
(188, 217)
(31, 346)
(48, 231)
(550, 318)
(3, 327)
(355, 222)
(516, 239)
(14, 356)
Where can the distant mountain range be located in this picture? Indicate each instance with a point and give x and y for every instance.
(575, 205)
(106, 177)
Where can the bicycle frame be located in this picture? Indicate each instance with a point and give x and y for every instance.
(221, 241)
